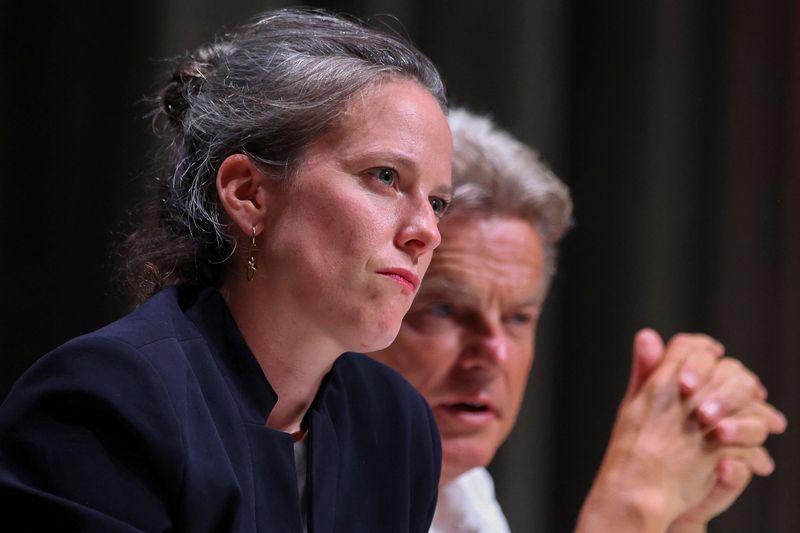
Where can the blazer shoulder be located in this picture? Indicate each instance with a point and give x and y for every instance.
(377, 378)
(94, 405)
(160, 317)
(143, 355)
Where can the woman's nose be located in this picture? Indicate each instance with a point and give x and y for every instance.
(419, 232)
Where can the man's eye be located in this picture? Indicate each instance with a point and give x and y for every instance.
(442, 310)
(520, 319)
(439, 206)
(385, 175)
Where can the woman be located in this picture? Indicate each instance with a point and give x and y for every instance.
(309, 165)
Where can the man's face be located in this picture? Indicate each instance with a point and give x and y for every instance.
(467, 342)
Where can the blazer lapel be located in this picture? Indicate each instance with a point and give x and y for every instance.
(323, 477)
(275, 491)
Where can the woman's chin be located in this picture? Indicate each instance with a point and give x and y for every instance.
(379, 338)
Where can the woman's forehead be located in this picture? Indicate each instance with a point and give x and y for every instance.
(398, 122)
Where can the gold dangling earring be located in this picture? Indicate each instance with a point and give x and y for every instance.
(251, 261)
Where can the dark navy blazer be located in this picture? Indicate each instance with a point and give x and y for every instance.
(156, 423)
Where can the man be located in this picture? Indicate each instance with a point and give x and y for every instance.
(467, 346)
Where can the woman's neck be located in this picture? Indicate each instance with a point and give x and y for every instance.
(293, 357)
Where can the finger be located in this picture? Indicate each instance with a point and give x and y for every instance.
(662, 386)
(682, 345)
(740, 432)
(751, 426)
(773, 419)
(733, 474)
(696, 371)
(776, 420)
(762, 392)
(648, 351)
(731, 388)
(699, 340)
(757, 459)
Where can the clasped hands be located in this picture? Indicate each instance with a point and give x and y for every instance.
(688, 437)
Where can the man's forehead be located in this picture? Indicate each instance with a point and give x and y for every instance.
(483, 257)
(444, 282)
(450, 284)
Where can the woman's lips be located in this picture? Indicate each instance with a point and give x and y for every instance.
(403, 277)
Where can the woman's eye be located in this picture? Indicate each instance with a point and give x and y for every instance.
(385, 175)
(439, 206)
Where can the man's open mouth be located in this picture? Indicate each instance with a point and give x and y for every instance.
(470, 407)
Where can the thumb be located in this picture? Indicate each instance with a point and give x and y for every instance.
(648, 351)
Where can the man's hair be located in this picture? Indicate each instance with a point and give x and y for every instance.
(267, 90)
(496, 175)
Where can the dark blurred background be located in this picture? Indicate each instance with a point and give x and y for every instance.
(676, 124)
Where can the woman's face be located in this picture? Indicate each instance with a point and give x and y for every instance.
(347, 241)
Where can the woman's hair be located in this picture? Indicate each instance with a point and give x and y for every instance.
(266, 90)
(496, 175)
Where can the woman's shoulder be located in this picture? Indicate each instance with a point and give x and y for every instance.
(376, 378)
(145, 346)
(374, 394)
(95, 404)
(163, 316)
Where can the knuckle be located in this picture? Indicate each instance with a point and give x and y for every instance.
(680, 339)
(705, 359)
(733, 365)
(751, 383)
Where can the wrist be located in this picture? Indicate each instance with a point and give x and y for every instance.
(687, 526)
(610, 508)
(695, 528)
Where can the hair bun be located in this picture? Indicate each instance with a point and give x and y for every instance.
(184, 83)
(173, 101)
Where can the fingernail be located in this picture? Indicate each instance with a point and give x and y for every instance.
(725, 430)
(709, 410)
(689, 381)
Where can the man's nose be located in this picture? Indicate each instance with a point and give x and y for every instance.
(487, 348)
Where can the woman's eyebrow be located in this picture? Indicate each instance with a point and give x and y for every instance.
(387, 155)
(443, 190)
(399, 159)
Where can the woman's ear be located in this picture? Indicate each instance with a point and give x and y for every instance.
(242, 190)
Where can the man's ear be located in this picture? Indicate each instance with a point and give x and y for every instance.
(242, 191)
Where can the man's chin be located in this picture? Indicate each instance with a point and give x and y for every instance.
(462, 454)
